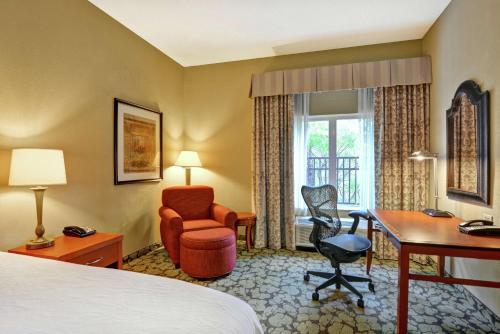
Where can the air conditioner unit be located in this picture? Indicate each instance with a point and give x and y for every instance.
(303, 228)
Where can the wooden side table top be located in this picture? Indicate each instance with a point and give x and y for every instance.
(245, 218)
(67, 248)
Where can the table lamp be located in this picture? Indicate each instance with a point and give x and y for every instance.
(37, 168)
(188, 159)
(426, 155)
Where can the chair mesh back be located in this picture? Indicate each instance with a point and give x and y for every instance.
(322, 202)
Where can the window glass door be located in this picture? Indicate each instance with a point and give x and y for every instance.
(347, 161)
(333, 156)
(318, 153)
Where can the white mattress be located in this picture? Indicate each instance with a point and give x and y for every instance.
(46, 296)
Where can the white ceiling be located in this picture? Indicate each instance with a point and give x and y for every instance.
(196, 32)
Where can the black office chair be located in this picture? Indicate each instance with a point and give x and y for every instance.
(343, 248)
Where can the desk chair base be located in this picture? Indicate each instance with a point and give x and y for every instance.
(338, 279)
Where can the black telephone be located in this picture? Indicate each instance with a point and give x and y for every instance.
(77, 231)
(479, 227)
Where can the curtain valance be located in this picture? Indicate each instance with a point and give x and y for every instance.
(385, 73)
(300, 81)
(372, 74)
(267, 84)
(335, 77)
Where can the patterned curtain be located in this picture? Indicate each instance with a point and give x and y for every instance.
(401, 127)
(273, 171)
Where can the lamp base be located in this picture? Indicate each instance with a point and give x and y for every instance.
(39, 243)
(188, 175)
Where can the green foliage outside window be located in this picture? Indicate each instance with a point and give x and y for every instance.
(347, 138)
(347, 145)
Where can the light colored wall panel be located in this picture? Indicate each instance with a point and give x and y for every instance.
(462, 46)
(62, 63)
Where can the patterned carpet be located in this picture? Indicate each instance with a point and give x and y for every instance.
(272, 283)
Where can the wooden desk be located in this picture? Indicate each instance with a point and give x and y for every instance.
(98, 250)
(416, 233)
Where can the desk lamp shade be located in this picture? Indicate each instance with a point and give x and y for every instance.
(426, 155)
(37, 168)
(188, 159)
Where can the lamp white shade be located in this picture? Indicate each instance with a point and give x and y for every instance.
(188, 159)
(37, 167)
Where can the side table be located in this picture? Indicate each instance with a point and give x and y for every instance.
(247, 219)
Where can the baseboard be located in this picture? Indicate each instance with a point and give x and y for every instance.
(141, 252)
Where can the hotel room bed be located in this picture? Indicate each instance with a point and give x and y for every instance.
(46, 296)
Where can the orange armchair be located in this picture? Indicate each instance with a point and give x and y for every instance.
(190, 208)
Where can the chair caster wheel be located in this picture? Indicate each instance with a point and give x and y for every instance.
(307, 277)
(315, 296)
(361, 303)
(371, 287)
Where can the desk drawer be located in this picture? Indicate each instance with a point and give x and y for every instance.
(101, 257)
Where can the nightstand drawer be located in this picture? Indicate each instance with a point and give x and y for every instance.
(101, 257)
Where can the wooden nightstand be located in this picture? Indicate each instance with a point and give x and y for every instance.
(98, 250)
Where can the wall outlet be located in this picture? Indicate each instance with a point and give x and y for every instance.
(487, 217)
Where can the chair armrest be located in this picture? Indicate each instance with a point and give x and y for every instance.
(320, 221)
(223, 215)
(357, 215)
(170, 220)
(171, 228)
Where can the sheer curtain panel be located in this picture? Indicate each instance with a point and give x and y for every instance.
(300, 119)
(367, 159)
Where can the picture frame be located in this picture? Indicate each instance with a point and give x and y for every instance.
(138, 143)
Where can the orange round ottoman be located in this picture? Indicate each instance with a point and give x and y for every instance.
(208, 253)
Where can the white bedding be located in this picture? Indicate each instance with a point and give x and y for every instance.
(45, 296)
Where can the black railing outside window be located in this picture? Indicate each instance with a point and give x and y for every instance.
(346, 173)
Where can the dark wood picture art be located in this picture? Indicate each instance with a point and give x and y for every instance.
(137, 143)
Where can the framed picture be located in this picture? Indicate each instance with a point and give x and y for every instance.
(138, 143)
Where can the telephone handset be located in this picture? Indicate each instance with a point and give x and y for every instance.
(437, 213)
(479, 227)
(78, 231)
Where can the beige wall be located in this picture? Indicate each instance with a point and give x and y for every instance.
(61, 64)
(464, 45)
(337, 102)
(63, 61)
(217, 112)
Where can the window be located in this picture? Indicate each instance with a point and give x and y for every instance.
(333, 155)
(334, 144)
